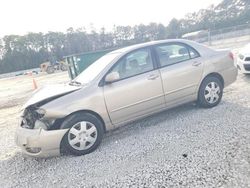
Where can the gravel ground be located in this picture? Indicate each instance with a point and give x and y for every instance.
(183, 147)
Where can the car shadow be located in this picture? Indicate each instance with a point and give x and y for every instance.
(153, 120)
(124, 130)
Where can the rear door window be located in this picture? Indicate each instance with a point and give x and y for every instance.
(169, 54)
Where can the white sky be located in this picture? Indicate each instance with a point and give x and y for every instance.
(22, 16)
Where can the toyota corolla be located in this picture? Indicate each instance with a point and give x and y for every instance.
(122, 86)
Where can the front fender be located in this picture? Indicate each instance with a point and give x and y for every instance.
(88, 99)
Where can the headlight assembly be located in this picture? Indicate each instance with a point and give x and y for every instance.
(40, 124)
(41, 111)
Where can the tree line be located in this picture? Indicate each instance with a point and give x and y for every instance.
(29, 51)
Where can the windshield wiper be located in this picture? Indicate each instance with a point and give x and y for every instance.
(75, 83)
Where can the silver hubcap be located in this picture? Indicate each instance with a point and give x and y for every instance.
(212, 92)
(82, 135)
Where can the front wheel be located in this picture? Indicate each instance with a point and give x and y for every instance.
(84, 135)
(210, 92)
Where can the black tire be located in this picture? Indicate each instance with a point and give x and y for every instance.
(202, 101)
(50, 69)
(73, 120)
(63, 67)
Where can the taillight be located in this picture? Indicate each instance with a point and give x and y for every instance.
(231, 55)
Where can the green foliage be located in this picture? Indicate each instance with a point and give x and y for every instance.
(29, 51)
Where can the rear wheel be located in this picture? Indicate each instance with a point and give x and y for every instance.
(50, 69)
(210, 92)
(84, 135)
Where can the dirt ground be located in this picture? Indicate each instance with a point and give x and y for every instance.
(13, 94)
(147, 153)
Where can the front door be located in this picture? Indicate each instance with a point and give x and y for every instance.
(139, 89)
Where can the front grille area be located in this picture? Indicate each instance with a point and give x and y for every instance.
(247, 67)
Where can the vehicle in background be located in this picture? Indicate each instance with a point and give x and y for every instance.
(52, 67)
(31, 72)
(243, 60)
(199, 36)
(19, 73)
(122, 86)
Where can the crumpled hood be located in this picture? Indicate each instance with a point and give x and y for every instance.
(48, 92)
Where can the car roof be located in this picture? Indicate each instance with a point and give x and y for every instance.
(141, 45)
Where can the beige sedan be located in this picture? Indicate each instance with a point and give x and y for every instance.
(122, 86)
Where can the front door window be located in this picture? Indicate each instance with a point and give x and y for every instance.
(134, 63)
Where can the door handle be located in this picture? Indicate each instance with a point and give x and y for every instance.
(196, 63)
(153, 76)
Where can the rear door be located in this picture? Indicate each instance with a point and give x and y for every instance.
(181, 70)
(138, 91)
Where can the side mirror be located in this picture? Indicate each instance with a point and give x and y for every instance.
(111, 77)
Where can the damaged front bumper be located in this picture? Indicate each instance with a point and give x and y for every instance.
(39, 142)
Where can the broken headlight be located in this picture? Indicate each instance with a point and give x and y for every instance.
(39, 124)
(41, 112)
(30, 116)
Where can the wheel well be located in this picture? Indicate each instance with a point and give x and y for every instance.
(58, 122)
(217, 75)
(93, 113)
(213, 74)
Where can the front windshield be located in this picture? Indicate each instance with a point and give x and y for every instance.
(95, 69)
